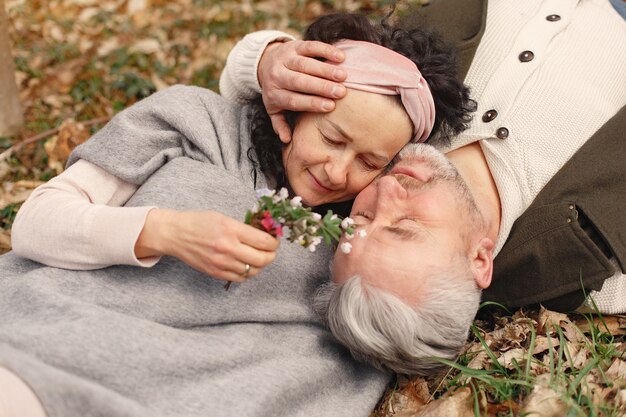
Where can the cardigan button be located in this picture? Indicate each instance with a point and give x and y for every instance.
(526, 56)
(489, 115)
(502, 133)
(553, 18)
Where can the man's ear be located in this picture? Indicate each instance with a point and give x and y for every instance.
(482, 262)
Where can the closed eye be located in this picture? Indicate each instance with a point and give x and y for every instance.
(360, 218)
(369, 166)
(331, 142)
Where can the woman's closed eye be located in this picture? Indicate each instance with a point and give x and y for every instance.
(369, 165)
(331, 142)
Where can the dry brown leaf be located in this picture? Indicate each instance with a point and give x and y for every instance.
(544, 401)
(136, 6)
(543, 343)
(5, 240)
(617, 370)
(59, 147)
(547, 319)
(146, 46)
(16, 192)
(479, 361)
(513, 357)
(615, 325)
(572, 333)
(458, 404)
(620, 398)
(580, 357)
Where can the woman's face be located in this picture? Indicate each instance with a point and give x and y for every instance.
(333, 156)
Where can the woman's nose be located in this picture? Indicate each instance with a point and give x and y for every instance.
(337, 171)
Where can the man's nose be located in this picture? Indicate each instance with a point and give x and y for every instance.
(390, 189)
(337, 171)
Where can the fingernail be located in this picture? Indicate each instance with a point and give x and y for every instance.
(338, 56)
(338, 91)
(339, 74)
(327, 105)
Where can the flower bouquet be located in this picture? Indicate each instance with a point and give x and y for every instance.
(280, 216)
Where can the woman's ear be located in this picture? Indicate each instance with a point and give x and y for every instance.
(482, 262)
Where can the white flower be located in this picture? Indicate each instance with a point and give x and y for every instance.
(281, 220)
(311, 248)
(345, 247)
(296, 201)
(316, 216)
(311, 229)
(283, 193)
(262, 192)
(347, 222)
(334, 217)
(362, 233)
(255, 207)
(316, 240)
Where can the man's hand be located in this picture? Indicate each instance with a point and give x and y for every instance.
(293, 79)
(207, 241)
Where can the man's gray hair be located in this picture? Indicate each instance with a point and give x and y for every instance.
(381, 329)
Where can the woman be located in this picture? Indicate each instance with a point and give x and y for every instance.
(167, 340)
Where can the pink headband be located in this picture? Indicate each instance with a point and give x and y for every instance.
(376, 69)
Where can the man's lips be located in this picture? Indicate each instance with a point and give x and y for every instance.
(319, 184)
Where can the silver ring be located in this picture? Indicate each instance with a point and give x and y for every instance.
(247, 271)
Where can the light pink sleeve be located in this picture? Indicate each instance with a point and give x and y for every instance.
(75, 221)
(16, 397)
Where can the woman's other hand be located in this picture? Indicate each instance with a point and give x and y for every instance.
(293, 79)
(207, 241)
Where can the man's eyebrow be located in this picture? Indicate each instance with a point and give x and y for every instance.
(343, 133)
(403, 233)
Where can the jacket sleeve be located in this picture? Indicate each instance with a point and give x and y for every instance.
(239, 81)
(75, 221)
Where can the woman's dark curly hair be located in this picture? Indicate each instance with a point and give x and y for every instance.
(434, 58)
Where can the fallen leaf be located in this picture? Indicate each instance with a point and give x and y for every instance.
(547, 319)
(544, 401)
(617, 370)
(59, 147)
(457, 404)
(5, 241)
(543, 343)
(512, 358)
(614, 325)
(16, 192)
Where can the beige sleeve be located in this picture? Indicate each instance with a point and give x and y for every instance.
(239, 82)
(75, 221)
(17, 399)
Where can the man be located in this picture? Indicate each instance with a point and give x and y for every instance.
(538, 179)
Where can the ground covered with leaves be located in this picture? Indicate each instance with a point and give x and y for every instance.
(78, 62)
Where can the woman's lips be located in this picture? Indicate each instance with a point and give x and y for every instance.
(318, 184)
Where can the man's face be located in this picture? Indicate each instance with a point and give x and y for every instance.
(417, 219)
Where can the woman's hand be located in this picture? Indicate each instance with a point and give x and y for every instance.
(293, 79)
(207, 241)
